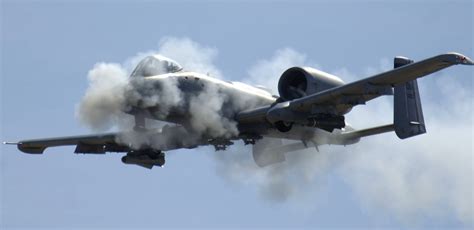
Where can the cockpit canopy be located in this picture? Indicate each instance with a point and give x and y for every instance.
(155, 65)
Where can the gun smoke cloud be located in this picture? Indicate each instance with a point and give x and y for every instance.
(102, 106)
(429, 175)
(426, 176)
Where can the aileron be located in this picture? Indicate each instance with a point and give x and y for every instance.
(37, 146)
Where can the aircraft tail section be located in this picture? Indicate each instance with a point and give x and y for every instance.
(408, 113)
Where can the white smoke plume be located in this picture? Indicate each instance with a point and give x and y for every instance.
(207, 116)
(102, 103)
(109, 93)
(267, 72)
(303, 172)
(299, 179)
(166, 95)
(191, 55)
(426, 176)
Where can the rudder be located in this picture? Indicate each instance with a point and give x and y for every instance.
(408, 112)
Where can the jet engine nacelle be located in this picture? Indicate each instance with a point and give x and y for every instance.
(298, 82)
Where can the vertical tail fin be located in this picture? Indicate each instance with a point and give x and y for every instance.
(408, 113)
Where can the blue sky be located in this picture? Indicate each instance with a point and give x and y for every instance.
(47, 49)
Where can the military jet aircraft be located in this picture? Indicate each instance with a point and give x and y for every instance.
(309, 110)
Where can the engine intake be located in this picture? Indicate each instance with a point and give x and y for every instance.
(297, 82)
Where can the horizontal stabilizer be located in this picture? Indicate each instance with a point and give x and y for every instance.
(351, 137)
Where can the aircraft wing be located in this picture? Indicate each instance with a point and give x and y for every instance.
(95, 143)
(361, 91)
(168, 138)
(143, 148)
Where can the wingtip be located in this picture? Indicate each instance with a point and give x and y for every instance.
(461, 58)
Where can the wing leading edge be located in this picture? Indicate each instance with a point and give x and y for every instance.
(37, 146)
(143, 148)
(168, 138)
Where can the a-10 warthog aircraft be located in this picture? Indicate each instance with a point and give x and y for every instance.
(309, 110)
